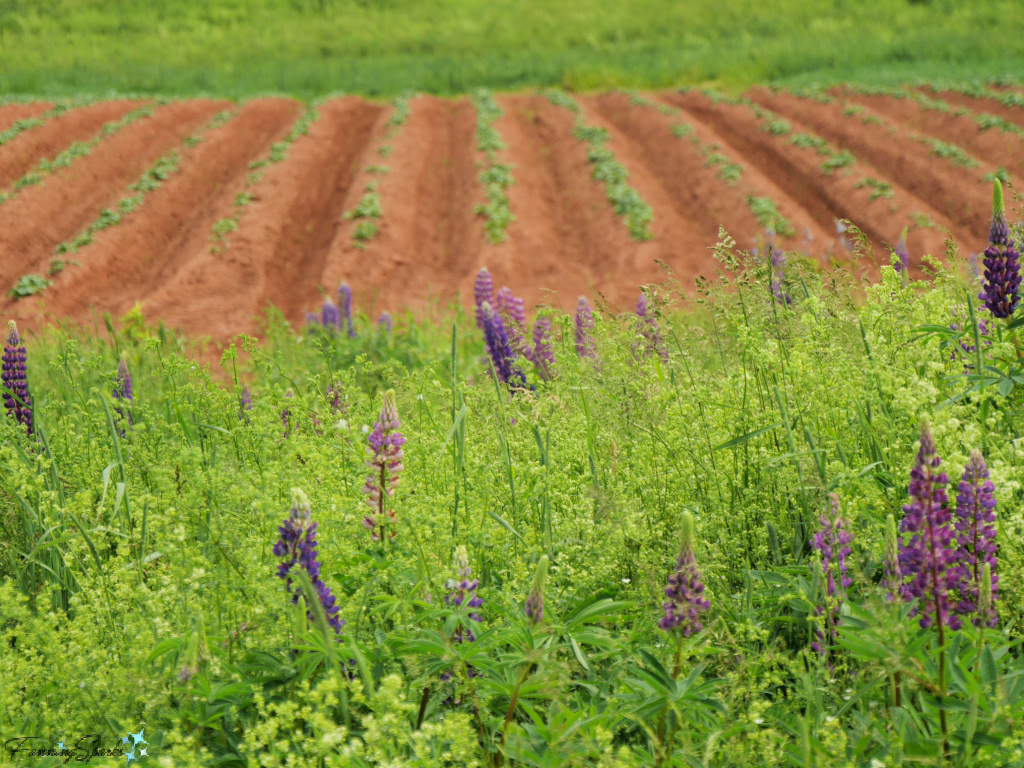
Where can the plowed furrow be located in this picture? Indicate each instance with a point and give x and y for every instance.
(698, 193)
(827, 196)
(428, 234)
(12, 113)
(125, 263)
(22, 154)
(278, 252)
(959, 192)
(33, 223)
(992, 145)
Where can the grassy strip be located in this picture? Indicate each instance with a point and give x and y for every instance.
(308, 47)
(76, 150)
(368, 211)
(625, 200)
(764, 208)
(278, 152)
(496, 177)
(152, 179)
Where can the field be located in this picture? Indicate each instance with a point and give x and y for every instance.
(201, 212)
(480, 385)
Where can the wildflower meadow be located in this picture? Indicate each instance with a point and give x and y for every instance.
(772, 521)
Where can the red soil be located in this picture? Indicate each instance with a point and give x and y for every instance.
(23, 153)
(960, 193)
(699, 195)
(126, 263)
(565, 236)
(292, 239)
(37, 220)
(992, 145)
(278, 252)
(827, 196)
(429, 235)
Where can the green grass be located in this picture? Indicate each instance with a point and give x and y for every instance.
(312, 47)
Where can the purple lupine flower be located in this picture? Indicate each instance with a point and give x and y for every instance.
(330, 318)
(966, 349)
(513, 316)
(123, 391)
(345, 304)
(976, 537)
(649, 329)
(534, 608)
(926, 556)
(385, 461)
(14, 375)
(245, 399)
(892, 579)
(584, 329)
(975, 270)
(499, 348)
(384, 323)
(462, 593)
(312, 319)
(336, 397)
(685, 590)
(1002, 263)
(832, 543)
(298, 545)
(543, 353)
(777, 257)
(483, 293)
(902, 264)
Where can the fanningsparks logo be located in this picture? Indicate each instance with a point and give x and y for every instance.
(82, 750)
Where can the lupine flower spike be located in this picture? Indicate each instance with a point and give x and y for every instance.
(384, 323)
(513, 316)
(462, 593)
(685, 590)
(483, 293)
(329, 315)
(926, 556)
(543, 354)
(123, 392)
(499, 348)
(385, 463)
(584, 329)
(17, 401)
(892, 579)
(832, 543)
(345, 305)
(902, 262)
(777, 257)
(649, 329)
(298, 545)
(1001, 284)
(535, 602)
(976, 540)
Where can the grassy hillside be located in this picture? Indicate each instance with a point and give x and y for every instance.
(308, 47)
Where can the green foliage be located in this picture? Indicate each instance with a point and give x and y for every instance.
(137, 577)
(28, 285)
(951, 152)
(496, 177)
(768, 216)
(879, 189)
